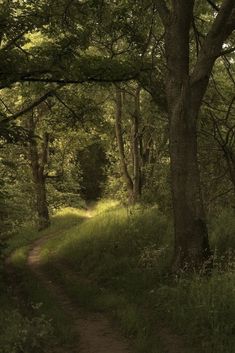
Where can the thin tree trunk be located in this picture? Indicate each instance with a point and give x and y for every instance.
(38, 163)
(136, 149)
(230, 160)
(120, 142)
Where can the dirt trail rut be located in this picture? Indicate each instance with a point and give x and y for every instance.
(94, 331)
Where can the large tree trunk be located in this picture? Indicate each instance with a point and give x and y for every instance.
(38, 161)
(185, 92)
(191, 238)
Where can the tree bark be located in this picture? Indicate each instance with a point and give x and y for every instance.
(38, 161)
(191, 239)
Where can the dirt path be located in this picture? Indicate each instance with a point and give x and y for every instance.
(94, 331)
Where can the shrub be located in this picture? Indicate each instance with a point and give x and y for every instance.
(21, 334)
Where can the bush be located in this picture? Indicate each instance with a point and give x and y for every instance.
(20, 334)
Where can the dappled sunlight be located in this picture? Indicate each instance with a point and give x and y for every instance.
(116, 229)
(103, 206)
(69, 213)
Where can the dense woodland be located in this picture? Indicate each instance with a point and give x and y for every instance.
(131, 102)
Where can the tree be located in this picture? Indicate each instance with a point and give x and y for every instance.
(38, 157)
(185, 88)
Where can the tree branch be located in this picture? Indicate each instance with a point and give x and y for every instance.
(29, 108)
(220, 30)
(67, 107)
(74, 81)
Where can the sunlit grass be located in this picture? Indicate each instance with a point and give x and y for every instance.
(19, 256)
(104, 205)
(67, 217)
(113, 233)
(62, 220)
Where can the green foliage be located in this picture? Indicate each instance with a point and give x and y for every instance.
(62, 198)
(12, 133)
(15, 196)
(114, 187)
(21, 334)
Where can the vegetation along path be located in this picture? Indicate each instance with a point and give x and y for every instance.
(94, 331)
